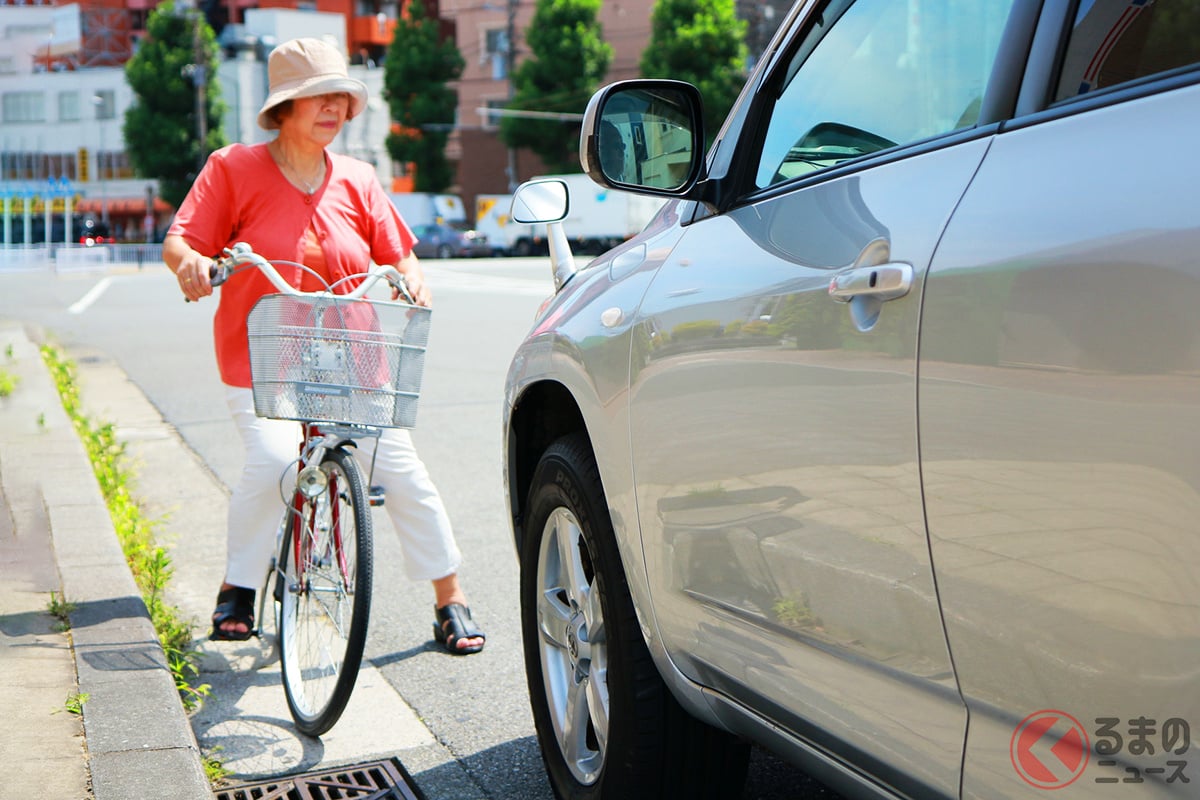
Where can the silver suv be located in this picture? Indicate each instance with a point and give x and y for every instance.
(880, 446)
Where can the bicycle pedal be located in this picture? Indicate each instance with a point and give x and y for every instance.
(375, 496)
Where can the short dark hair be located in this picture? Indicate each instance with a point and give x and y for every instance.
(278, 112)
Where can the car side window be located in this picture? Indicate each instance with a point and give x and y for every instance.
(872, 74)
(1118, 41)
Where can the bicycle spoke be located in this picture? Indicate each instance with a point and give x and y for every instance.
(327, 597)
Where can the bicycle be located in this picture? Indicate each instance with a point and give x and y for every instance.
(345, 367)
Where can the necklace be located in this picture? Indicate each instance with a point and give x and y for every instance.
(310, 186)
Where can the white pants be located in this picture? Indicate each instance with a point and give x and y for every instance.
(413, 502)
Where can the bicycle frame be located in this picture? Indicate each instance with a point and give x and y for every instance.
(316, 441)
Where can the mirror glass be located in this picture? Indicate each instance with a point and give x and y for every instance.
(539, 201)
(645, 138)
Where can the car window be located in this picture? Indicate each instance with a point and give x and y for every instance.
(1117, 41)
(872, 74)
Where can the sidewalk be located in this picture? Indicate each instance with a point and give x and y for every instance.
(132, 738)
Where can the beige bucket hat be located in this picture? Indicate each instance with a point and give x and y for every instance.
(306, 68)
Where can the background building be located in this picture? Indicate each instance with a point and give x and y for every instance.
(63, 95)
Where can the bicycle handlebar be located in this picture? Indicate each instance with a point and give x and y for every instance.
(242, 255)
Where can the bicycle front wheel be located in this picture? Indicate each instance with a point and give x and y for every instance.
(326, 595)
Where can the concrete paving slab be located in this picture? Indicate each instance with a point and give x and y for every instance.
(247, 723)
(152, 774)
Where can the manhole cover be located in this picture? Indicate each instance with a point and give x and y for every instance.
(378, 780)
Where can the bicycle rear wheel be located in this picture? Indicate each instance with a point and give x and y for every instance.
(326, 595)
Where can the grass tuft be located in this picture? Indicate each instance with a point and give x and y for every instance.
(149, 563)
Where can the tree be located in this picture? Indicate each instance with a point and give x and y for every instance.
(568, 60)
(161, 131)
(417, 71)
(701, 42)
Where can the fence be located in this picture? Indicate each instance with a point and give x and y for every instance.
(78, 258)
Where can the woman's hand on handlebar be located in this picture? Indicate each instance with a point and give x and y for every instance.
(414, 281)
(192, 269)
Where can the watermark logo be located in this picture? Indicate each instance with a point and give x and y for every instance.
(1050, 749)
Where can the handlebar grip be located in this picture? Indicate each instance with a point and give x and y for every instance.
(217, 275)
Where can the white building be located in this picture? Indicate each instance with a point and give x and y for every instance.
(61, 131)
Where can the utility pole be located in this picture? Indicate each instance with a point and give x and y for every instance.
(200, 78)
(197, 72)
(510, 63)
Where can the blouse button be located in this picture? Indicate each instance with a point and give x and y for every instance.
(308, 200)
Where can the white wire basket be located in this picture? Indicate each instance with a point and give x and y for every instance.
(328, 359)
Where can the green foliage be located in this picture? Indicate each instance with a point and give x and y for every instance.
(161, 132)
(75, 702)
(149, 563)
(568, 60)
(61, 610)
(214, 769)
(795, 612)
(417, 73)
(696, 330)
(701, 42)
(8, 382)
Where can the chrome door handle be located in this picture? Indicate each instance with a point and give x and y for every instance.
(882, 282)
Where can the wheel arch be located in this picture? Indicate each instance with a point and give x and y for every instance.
(545, 412)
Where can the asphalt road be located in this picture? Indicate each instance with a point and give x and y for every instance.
(482, 310)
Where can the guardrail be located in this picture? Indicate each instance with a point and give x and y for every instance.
(77, 257)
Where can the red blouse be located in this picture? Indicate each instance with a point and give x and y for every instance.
(241, 196)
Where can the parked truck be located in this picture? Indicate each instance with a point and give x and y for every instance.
(427, 208)
(598, 219)
(492, 218)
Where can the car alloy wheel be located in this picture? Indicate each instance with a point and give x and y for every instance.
(606, 723)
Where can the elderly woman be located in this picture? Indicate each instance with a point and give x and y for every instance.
(292, 199)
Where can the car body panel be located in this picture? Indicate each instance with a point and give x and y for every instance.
(1059, 398)
(882, 538)
(569, 345)
(775, 449)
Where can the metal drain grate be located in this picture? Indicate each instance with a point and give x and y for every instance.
(378, 780)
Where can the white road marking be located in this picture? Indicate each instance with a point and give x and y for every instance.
(92, 296)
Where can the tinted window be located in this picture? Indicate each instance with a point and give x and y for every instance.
(1117, 41)
(877, 73)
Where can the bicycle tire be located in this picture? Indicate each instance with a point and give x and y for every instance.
(324, 613)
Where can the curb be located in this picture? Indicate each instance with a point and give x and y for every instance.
(139, 740)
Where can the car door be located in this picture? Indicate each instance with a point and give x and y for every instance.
(773, 393)
(1059, 395)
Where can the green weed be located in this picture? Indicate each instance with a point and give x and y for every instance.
(8, 382)
(61, 610)
(214, 769)
(74, 704)
(149, 563)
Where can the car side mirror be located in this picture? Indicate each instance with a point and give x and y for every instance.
(547, 201)
(540, 201)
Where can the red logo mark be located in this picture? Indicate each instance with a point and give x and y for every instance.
(1049, 749)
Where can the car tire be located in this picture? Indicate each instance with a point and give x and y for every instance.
(445, 251)
(607, 725)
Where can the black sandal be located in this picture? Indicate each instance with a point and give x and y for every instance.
(233, 605)
(454, 622)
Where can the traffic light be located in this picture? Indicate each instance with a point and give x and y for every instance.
(81, 163)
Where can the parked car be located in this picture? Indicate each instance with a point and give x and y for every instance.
(450, 240)
(878, 447)
(94, 232)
